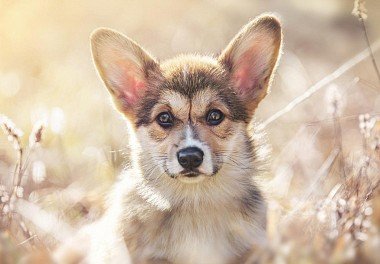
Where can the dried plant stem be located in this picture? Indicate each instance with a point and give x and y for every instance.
(26, 163)
(16, 179)
(323, 82)
(27, 234)
(14, 136)
(320, 175)
(339, 143)
(364, 28)
(341, 119)
(18, 176)
(26, 240)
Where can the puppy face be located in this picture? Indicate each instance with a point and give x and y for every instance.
(191, 113)
(202, 115)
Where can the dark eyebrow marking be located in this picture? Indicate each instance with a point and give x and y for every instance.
(144, 110)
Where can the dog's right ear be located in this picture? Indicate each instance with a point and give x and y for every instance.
(126, 69)
(252, 57)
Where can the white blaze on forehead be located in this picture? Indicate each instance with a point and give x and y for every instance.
(190, 141)
(185, 72)
(189, 136)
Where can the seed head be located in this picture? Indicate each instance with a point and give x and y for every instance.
(359, 9)
(14, 134)
(36, 135)
(366, 124)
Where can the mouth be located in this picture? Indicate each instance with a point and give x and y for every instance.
(188, 176)
(190, 173)
(191, 177)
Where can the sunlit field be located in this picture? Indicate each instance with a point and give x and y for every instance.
(63, 145)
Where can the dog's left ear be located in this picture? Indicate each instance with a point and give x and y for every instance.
(251, 58)
(127, 70)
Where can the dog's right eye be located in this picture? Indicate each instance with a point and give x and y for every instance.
(165, 119)
(214, 117)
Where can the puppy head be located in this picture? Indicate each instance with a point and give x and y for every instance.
(190, 114)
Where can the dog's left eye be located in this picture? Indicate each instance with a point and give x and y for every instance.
(214, 117)
(165, 119)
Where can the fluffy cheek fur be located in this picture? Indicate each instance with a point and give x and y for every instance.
(218, 139)
(230, 147)
(152, 154)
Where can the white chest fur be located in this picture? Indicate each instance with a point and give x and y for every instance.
(205, 229)
(215, 235)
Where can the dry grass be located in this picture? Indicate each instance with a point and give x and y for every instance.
(323, 197)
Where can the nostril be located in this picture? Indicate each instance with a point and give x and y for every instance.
(197, 158)
(183, 160)
(190, 158)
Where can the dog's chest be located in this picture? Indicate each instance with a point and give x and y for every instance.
(201, 236)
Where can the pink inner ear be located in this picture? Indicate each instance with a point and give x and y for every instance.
(132, 89)
(248, 70)
(129, 82)
(242, 79)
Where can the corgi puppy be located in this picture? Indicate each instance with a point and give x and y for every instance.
(190, 194)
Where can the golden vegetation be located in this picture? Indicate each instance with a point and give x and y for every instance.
(323, 194)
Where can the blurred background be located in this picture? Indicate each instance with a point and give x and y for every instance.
(46, 73)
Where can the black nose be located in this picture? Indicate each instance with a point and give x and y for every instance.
(190, 158)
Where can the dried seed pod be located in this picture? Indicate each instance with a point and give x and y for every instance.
(359, 9)
(36, 134)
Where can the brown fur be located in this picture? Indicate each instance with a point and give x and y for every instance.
(156, 213)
